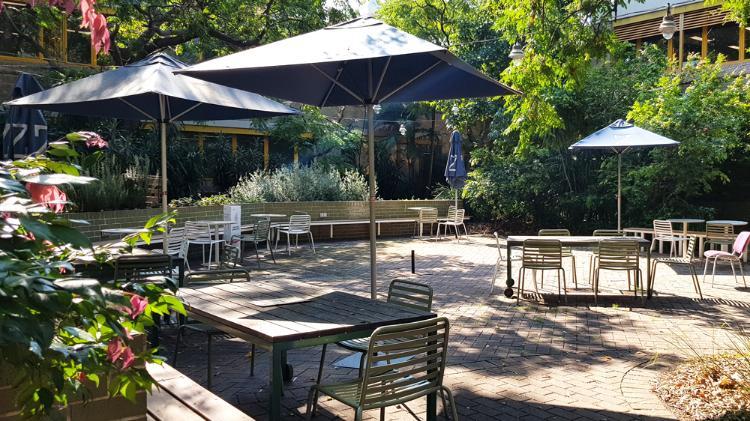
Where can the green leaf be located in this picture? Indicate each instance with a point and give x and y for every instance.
(79, 333)
(57, 179)
(11, 185)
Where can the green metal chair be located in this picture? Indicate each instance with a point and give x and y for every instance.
(679, 261)
(408, 294)
(595, 252)
(403, 362)
(618, 255)
(567, 252)
(203, 277)
(541, 255)
(261, 234)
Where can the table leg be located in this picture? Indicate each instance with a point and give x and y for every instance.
(218, 248)
(277, 382)
(181, 272)
(684, 235)
(648, 274)
(508, 272)
(432, 406)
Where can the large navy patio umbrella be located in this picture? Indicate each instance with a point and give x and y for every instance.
(455, 170)
(148, 90)
(620, 137)
(25, 130)
(360, 62)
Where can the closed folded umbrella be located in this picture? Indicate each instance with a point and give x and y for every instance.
(455, 170)
(360, 62)
(620, 137)
(25, 130)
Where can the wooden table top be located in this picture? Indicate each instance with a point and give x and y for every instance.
(289, 311)
(571, 240)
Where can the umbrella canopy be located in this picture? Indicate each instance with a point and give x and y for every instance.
(25, 130)
(455, 170)
(360, 62)
(620, 137)
(150, 90)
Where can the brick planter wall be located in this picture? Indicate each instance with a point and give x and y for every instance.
(333, 210)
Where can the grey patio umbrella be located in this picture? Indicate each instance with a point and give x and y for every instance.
(620, 137)
(148, 90)
(455, 170)
(360, 62)
(25, 130)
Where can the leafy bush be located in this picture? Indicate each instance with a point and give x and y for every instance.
(215, 200)
(116, 187)
(60, 332)
(299, 184)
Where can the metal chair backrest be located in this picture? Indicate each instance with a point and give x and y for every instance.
(554, 232)
(740, 244)
(230, 256)
(175, 240)
(451, 208)
(458, 217)
(542, 254)
(662, 228)
(197, 231)
(608, 233)
(299, 223)
(404, 362)
(719, 231)
(428, 216)
(618, 254)
(497, 242)
(260, 233)
(147, 268)
(410, 294)
(691, 247)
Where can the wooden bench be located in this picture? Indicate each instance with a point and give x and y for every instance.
(179, 398)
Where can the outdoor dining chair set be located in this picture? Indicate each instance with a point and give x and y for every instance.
(455, 219)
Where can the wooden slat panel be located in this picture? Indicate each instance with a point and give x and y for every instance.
(650, 28)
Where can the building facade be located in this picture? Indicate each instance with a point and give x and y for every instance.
(702, 31)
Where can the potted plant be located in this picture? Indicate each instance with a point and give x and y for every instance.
(65, 340)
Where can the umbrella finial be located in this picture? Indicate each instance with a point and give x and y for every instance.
(620, 124)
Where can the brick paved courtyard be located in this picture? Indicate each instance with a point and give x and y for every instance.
(533, 361)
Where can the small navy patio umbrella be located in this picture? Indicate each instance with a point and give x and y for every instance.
(25, 130)
(620, 137)
(149, 90)
(455, 170)
(360, 62)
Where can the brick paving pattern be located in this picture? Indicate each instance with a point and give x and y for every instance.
(533, 361)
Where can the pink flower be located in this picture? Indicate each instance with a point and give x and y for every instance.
(128, 358)
(49, 196)
(97, 23)
(115, 348)
(137, 305)
(82, 376)
(93, 140)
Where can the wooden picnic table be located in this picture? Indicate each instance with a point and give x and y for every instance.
(577, 241)
(283, 316)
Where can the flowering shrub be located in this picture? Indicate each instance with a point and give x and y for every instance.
(59, 332)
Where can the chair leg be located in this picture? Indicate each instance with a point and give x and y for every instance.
(533, 278)
(277, 242)
(596, 286)
(696, 285)
(288, 244)
(257, 256)
(639, 279)
(713, 273)
(742, 272)
(272, 256)
(565, 286)
(454, 411)
(362, 358)
(705, 269)
(312, 398)
(494, 275)
(312, 242)
(731, 264)
(382, 414)
(521, 274)
(575, 272)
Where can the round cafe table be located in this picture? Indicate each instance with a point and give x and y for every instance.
(727, 222)
(685, 222)
(215, 227)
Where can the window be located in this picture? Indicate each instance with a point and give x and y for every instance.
(19, 32)
(693, 43)
(724, 39)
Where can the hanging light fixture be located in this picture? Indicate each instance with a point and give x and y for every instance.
(516, 53)
(402, 129)
(667, 26)
(377, 108)
(455, 109)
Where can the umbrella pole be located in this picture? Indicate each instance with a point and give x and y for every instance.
(371, 166)
(619, 192)
(164, 204)
(456, 198)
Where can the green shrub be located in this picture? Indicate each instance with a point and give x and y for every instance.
(299, 184)
(117, 187)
